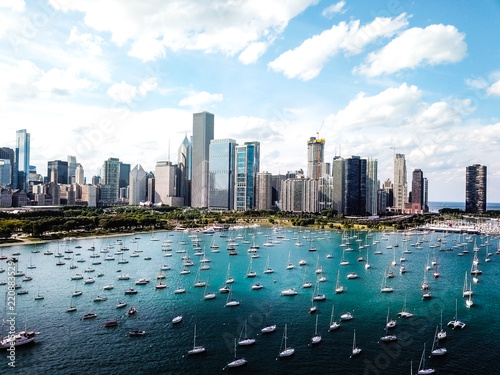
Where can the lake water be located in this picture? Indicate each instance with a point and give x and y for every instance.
(69, 345)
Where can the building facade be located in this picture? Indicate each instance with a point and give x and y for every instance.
(221, 174)
(264, 196)
(184, 165)
(315, 157)
(400, 186)
(203, 133)
(110, 180)
(57, 169)
(137, 185)
(247, 166)
(22, 160)
(475, 188)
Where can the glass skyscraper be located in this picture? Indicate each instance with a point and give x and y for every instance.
(247, 167)
(355, 186)
(22, 160)
(203, 133)
(475, 189)
(60, 169)
(110, 179)
(221, 174)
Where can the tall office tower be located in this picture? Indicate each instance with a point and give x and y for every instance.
(137, 186)
(400, 186)
(426, 195)
(5, 173)
(264, 196)
(299, 195)
(72, 164)
(184, 165)
(8, 153)
(221, 174)
(124, 175)
(110, 179)
(247, 167)
(475, 188)
(79, 175)
(325, 192)
(389, 190)
(338, 174)
(315, 157)
(371, 185)
(22, 160)
(61, 168)
(203, 133)
(276, 188)
(355, 186)
(166, 184)
(417, 189)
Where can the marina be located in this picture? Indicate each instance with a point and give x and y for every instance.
(65, 339)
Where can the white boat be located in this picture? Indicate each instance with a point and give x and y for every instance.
(367, 264)
(180, 290)
(142, 281)
(257, 286)
(421, 367)
(442, 333)
(352, 275)
(250, 272)
(346, 316)
(387, 337)
(355, 349)
(333, 324)
(229, 279)
(246, 340)
(231, 302)
(384, 288)
(466, 292)
(269, 328)
(338, 288)
(455, 322)
(121, 305)
(196, 349)
(343, 261)
(177, 319)
(391, 323)
(289, 265)
(237, 361)
(316, 339)
(404, 313)
(468, 302)
(268, 269)
(289, 292)
(208, 295)
(436, 350)
(286, 352)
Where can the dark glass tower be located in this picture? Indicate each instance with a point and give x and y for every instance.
(475, 189)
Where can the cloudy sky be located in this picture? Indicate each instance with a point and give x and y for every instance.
(100, 79)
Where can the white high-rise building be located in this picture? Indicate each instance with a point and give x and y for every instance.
(79, 175)
(138, 185)
(400, 185)
(315, 157)
(264, 191)
(203, 133)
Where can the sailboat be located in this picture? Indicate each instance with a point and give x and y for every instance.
(468, 301)
(209, 295)
(316, 339)
(246, 340)
(237, 361)
(289, 265)
(344, 262)
(250, 272)
(286, 352)
(387, 337)
(466, 292)
(456, 323)
(442, 333)
(318, 296)
(384, 288)
(229, 279)
(268, 269)
(333, 324)
(367, 264)
(231, 301)
(196, 349)
(355, 349)
(404, 313)
(421, 367)
(436, 350)
(306, 284)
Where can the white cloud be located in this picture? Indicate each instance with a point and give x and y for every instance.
(62, 82)
(494, 89)
(15, 5)
(89, 42)
(436, 44)
(209, 26)
(124, 93)
(306, 61)
(201, 99)
(328, 12)
(252, 53)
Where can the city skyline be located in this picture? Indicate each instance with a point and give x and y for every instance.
(86, 86)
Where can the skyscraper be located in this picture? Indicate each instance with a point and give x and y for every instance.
(247, 167)
(72, 164)
(8, 153)
(110, 180)
(264, 191)
(79, 175)
(315, 157)
(137, 187)
(61, 171)
(166, 186)
(203, 133)
(124, 175)
(338, 174)
(475, 188)
(184, 165)
(221, 174)
(22, 160)
(355, 186)
(417, 188)
(400, 187)
(371, 185)
(5, 173)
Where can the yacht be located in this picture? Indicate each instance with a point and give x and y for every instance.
(289, 292)
(18, 339)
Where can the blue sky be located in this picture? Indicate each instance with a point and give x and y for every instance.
(100, 79)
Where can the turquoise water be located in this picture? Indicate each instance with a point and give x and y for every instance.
(69, 345)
